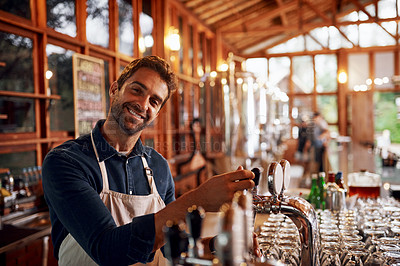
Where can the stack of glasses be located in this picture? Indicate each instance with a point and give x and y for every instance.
(368, 235)
(279, 240)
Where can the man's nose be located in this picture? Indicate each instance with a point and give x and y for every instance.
(144, 102)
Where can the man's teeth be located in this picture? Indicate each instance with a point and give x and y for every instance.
(135, 114)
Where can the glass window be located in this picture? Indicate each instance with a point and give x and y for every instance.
(20, 115)
(17, 160)
(303, 106)
(351, 32)
(336, 39)
(279, 70)
(303, 74)
(387, 114)
(146, 27)
(61, 16)
(61, 83)
(358, 65)
(295, 44)
(372, 34)
(384, 70)
(20, 8)
(327, 105)
(311, 44)
(258, 66)
(321, 34)
(97, 22)
(387, 9)
(126, 33)
(17, 63)
(326, 71)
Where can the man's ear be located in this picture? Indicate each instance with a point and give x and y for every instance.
(113, 89)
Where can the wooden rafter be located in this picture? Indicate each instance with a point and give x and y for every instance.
(282, 14)
(318, 12)
(233, 9)
(265, 15)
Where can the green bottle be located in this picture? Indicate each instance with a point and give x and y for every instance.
(322, 189)
(313, 198)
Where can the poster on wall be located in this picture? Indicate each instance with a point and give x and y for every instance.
(89, 94)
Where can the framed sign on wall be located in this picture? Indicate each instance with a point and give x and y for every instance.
(89, 92)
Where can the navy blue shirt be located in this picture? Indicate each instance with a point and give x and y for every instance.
(72, 183)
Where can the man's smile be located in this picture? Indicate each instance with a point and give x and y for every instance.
(135, 114)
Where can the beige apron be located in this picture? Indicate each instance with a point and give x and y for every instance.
(123, 209)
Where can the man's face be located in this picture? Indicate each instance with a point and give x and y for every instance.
(139, 100)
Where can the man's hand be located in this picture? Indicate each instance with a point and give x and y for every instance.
(220, 189)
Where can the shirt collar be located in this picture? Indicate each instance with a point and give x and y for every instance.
(105, 150)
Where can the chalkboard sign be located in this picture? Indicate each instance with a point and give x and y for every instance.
(89, 93)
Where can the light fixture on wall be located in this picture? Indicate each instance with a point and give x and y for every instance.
(342, 77)
(173, 39)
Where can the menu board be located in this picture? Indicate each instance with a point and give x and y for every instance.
(89, 93)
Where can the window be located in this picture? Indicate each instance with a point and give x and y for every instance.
(279, 70)
(146, 27)
(303, 74)
(384, 70)
(20, 8)
(61, 16)
(61, 83)
(358, 65)
(126, 33)
(326, 72)
(97, 21)
(16, 63)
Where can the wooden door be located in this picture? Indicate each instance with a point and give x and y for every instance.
(363, 131)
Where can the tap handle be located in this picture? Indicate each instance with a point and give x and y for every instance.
(173, 233)
(194, 220)
(275, 178)
(257, 174)
(286, 175)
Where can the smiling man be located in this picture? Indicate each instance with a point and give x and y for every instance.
(109, 196)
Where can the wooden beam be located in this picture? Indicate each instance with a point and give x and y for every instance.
(318, 12)
(235, 9)
(263, 16)
(282, 14)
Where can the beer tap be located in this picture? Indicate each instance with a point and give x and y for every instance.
(301, 212)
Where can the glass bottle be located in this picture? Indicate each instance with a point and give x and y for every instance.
(314, 196)
(322, 191)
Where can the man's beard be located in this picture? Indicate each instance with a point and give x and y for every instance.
(123, 119)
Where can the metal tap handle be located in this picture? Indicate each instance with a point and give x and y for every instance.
(275, 178)
(174, 236)
(194, 221)
(286, 175)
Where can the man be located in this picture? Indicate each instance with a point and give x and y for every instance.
(107, 192)
(318, 140)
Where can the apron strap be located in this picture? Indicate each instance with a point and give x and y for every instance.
(102, 166)
(149, 173)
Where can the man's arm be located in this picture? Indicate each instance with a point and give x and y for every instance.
(76, 206)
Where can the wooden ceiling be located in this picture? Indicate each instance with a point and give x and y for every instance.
(251, 27)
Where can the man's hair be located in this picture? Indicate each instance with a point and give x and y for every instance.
(155, 63)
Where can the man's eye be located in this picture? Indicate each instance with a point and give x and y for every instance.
(154, 102)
